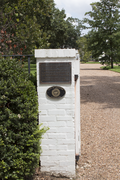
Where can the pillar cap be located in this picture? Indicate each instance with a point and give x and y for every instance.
(55, 53)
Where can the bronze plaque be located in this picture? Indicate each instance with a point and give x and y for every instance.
(55, 92)
(55, 72)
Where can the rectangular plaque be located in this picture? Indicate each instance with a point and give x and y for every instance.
(55, 72)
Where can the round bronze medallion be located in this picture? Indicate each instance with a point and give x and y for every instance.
(55, 92)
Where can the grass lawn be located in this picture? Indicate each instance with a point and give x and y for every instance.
(90, 62)
(32, 68)
(115, 68)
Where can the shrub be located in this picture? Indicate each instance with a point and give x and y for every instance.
(19, 133)
(33, 78)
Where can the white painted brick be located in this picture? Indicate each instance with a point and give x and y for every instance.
(52, 147)
(71, 157)
(61, 136)
(70, 112)
(57, 135)
(61, 101)
(57, 158)
(56, 112)
(49, 153)
(42, 101)
(69, 88)
(69, 100)
(45, 169)
(54, 169)
(55, 53)
(52, 136)
(42, 89)
(58, 170)
(47, 118)
(71, 166)
(57, 124)
(64, 118)
(44, 147)
(66, 163)
(66, 141)
(45, 124)
(69, 95)
(65, 106)
(70, 123)
(50, 163)
(63, 147)
(65, 129)
(44, 158)
(71, 146)
(52, 130)
(46, 106)
(70, 135)
(41, 95)
(43, 112)
(49, 141)
(72, 152)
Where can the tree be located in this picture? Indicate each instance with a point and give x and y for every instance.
(23, 25)
(104, 22)
(29, 24)
(73, 32)
(85, 54)
(57, 31)
(64, 32)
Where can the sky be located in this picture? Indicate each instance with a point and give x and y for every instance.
(75, 8)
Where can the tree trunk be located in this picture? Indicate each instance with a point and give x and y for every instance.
(112, 63)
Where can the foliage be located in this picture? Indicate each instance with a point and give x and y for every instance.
(26, 25)
(22, 25)
(19, 133)
(33, 78)
(115, 68)
(103, 39)
(32, 67)
(58, 29)
(73, 32)
(85, 54)
(65, 33)
(92, 62)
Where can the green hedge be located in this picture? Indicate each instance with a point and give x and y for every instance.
(19, 133)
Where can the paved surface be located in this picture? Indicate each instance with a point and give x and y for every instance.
(100, 124)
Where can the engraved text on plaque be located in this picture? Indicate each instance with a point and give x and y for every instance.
(55, 72)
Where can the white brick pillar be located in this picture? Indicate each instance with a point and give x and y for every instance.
(61, 143)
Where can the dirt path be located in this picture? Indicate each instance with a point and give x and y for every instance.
(100, 124)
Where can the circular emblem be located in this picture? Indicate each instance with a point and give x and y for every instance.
(55, 92)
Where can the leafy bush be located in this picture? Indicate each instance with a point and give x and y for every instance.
(33, 78)
(19, 133)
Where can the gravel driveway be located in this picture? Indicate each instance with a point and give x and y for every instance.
(100, 124)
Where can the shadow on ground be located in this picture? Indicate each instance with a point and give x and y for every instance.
(90, 69)
(101, 89)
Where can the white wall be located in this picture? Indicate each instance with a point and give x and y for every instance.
(59, 143)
